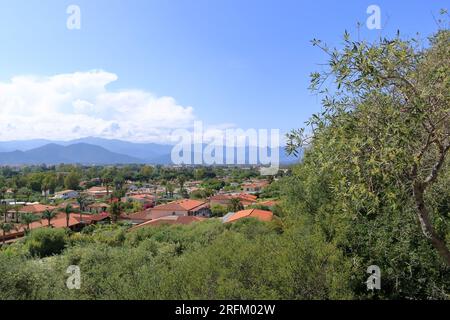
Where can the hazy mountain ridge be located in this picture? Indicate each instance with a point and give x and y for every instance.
(92, 150)
(76, 153)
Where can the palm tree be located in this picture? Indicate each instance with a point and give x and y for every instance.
(49, 215)
(16, 212)
(235, 205)
(81, 200)
(155, 188)
(107, 178)
(115, 210)
(181, 181)
(14, 191)
(27, 219)
(3, 191)
(4, 209)
(164, 184)
(170, 188)
(6, 227)
(26, 193)
(44, 187)
(68, 210)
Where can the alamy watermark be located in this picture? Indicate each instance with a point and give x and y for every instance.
(374, 20)
(227, 147)
(374, 280)
(74, 280)
(74, 19)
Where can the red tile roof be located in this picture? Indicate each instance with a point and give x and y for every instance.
(169, 220)
(58, 222)
(142, 215)
(262, 215)
(96, 189)
(247, 197)
(36, 208)
(268, 203)
(89, 218)
(182, 205)
(141, 196)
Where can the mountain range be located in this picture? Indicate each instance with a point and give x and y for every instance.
(91, 150)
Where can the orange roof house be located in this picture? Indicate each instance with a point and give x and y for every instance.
(186, 207)
(168, 220)
(225, 199)
(97, 192)
(268, 203)
(255, 186)
(60, 221)
(261, 215)
(36, 208)
(97, 207)
(138, 217)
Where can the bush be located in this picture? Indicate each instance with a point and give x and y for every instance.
(218, 211)
(46, 242)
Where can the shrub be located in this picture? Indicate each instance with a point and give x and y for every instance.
(46, 242)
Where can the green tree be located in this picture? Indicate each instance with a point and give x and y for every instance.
(6, 227)
(218, 210)
(107, 179)
(181, 181)
(44, 242)
(235, 205)
(81, 200)
(170, 189)
(72, 180)
(146, 172)
(68, 210)
(376, 160)
(115, 210)
(27, 219)
(49, 215)
(26, 193)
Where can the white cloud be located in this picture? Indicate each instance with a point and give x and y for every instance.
(69, 106)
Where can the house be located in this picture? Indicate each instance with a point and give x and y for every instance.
(66, 194)
(246, 199)
(97, 192)
(138, 217)
(268, 203)
(261, 215)
(254, 186)
(168, 220)
(60, 221)
(225, 199)
(74, 205)
(11, 202)
(36, 208)
(185, 207)
(220, 199)
(147, 200)
(97, 207)
(93, 218)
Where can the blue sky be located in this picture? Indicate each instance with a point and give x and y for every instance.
(226, 62)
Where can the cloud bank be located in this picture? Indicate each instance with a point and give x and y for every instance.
(75, 105)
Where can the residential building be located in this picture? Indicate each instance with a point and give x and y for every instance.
(98, 192)
(66, 194)
(36, 208)
(225, 199)
(185, 207)
(254, 186)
